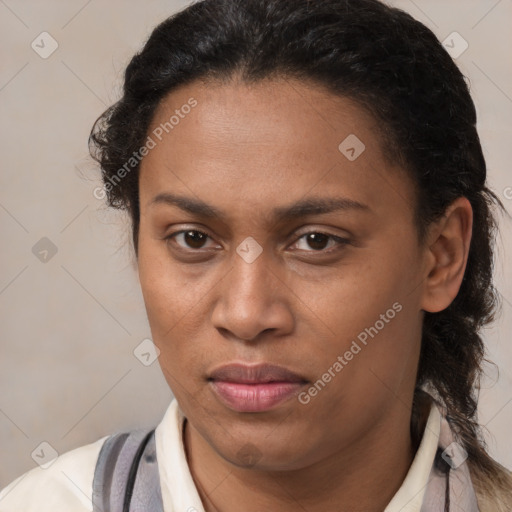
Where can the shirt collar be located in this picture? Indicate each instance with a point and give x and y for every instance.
(179, 493)
(409, 496)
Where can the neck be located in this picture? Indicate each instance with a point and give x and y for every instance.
(362, 476)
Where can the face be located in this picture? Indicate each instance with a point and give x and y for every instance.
(262, 256)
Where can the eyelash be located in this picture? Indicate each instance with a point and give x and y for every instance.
(339, 240)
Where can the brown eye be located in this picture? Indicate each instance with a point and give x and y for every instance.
(195, 239)
(319, 242)
(189, 239)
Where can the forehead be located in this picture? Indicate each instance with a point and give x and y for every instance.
(265, 114)
(265, 141)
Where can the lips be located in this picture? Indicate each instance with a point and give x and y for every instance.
(259, 388)
(257, 374)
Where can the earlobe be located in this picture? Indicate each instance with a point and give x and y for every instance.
(448, 251)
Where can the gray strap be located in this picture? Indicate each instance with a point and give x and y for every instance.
(118, 466)
(449, 487)
(147, 495)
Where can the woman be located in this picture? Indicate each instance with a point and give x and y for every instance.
(314, 241)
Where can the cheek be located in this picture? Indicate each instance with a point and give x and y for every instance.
(346, 300)
(163, 301)
(173, 306)
(163, 287)
(370, 312)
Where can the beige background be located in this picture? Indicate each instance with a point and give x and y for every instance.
(68, 374)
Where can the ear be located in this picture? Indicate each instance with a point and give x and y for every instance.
(446, 256)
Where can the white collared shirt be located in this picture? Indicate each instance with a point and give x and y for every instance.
(67, 483)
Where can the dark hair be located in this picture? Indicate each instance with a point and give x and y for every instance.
(392, 66)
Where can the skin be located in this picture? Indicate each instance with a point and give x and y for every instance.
(246, 150)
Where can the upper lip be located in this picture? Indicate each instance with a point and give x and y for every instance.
(251, 374)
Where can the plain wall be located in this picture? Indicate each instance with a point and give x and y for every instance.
(70, 325)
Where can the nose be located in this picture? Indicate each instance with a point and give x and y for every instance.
(253, 298)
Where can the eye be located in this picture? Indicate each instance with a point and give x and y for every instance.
(193, 240)
(318, 241)
(189, 239)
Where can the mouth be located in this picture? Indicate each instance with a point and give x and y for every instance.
(255, 388)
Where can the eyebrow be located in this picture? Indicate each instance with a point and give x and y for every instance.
(302, 208)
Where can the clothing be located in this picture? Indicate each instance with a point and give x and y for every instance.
(67, 483)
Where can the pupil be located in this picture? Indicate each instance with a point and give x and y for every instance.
(317, 238)
(194, 239)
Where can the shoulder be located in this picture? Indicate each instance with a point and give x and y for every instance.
(494, 493)
(66, 484)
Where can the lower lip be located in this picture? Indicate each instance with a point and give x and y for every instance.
(254, 397)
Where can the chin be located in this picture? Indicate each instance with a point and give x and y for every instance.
(259, 453)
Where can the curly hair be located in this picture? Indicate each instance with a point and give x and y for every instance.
(395, 68)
